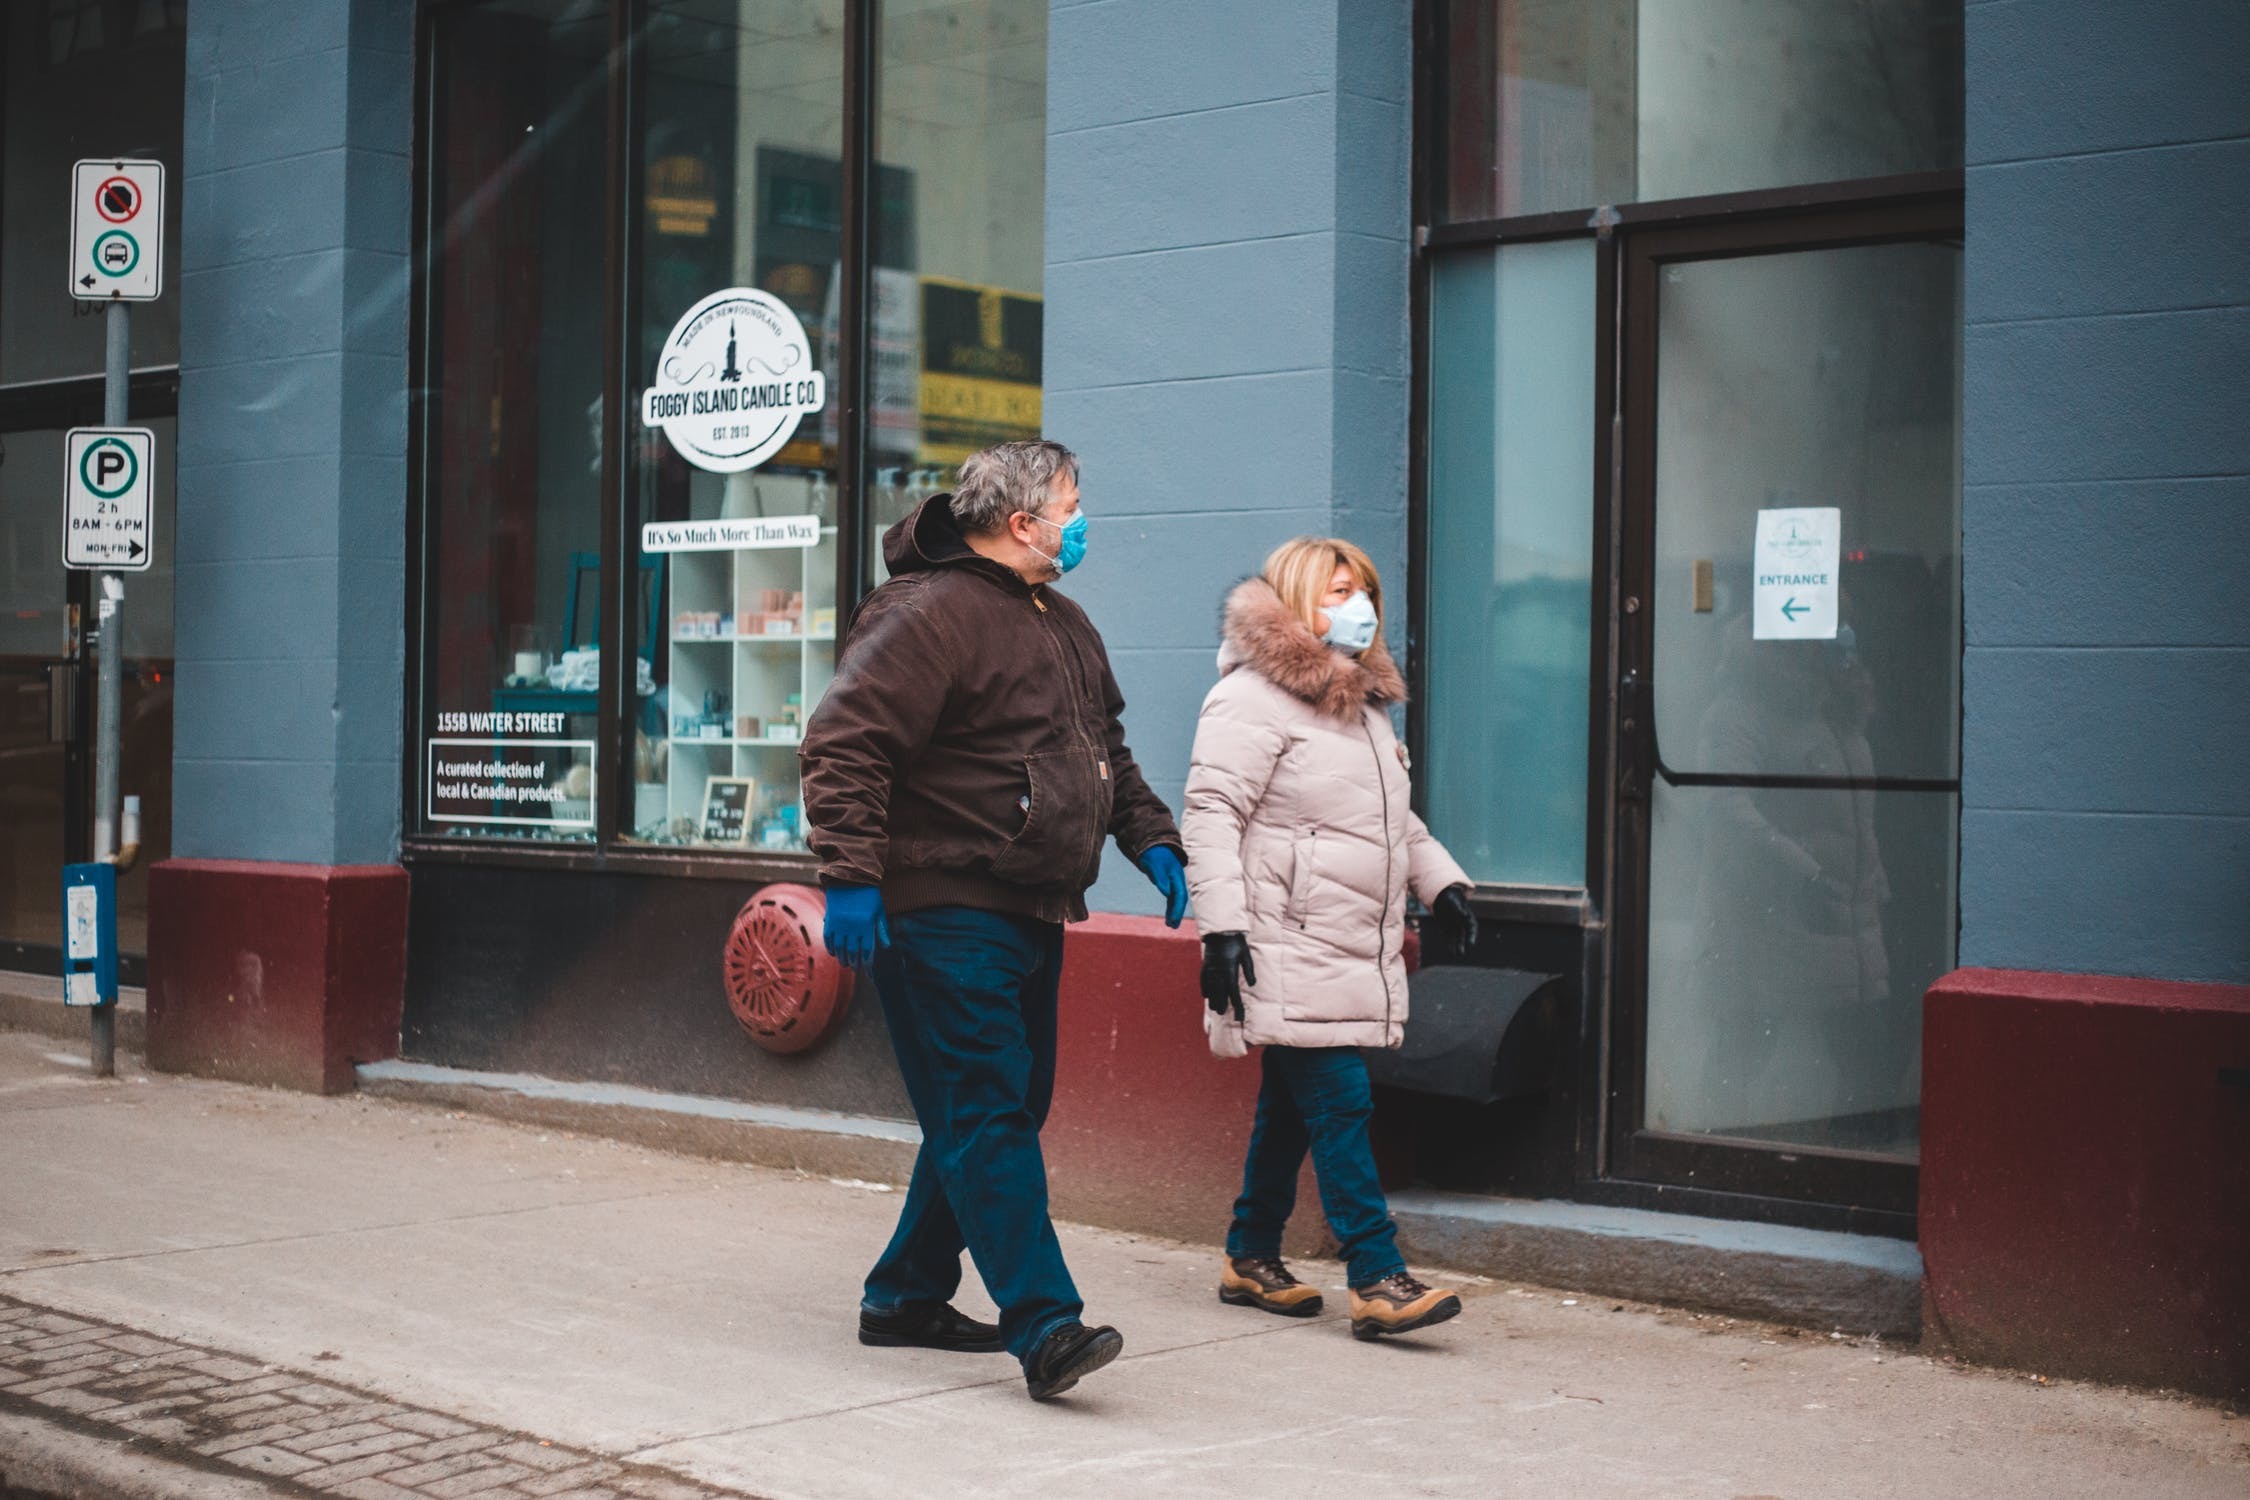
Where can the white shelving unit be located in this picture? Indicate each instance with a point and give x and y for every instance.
(743, 674)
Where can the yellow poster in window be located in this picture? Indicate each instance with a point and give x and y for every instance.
(981, 368)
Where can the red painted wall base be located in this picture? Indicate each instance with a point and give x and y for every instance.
(1148, 1128)
(2085, 1183)
(278, 974)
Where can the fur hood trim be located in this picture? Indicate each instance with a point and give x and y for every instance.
(1264, 634)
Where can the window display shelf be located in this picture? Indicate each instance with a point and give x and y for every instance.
(749, 640)
(746, 682)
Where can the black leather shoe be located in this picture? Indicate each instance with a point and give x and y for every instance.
(929, 1325)
(1068, 1355)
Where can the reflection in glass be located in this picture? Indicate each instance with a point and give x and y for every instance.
(57, 58)
(1792, 931)
(960, 247)
(741, 186)
(35, 820)
(1512, 404)
(34, 631)
(512, 612)
(1566, 104)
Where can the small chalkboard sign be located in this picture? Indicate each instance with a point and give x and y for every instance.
(726, 808)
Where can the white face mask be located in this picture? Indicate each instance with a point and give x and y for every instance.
(1351, 624)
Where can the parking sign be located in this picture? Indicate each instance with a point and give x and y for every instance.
(105, 498)
(117, 231)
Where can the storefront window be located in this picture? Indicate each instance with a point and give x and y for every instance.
(960, 253)
(1566, 104)
(733, 286)
(741, 171)
(513, 434)
(58, 54)
(55, 55)
(1511, 557)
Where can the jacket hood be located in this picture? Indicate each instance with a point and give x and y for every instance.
(1264, 634)
(930, 538)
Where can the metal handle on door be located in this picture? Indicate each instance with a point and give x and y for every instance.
(1632, 734)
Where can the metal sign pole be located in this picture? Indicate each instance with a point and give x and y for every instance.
(117, 259)
(109, 611)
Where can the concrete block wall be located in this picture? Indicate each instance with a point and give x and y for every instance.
(292, 430)
(1226, 338)
(2105, 818)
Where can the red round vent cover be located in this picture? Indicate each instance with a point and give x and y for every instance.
(782, 983)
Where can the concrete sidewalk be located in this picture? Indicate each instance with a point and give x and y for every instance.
(580, 1316)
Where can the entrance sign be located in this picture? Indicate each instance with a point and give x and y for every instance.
(106, 498)
(735, 378)
(1793, 569)
(117, 231)
(731, 536)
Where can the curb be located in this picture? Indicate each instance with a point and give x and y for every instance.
(813, 1141)
(28, 1003)
(1808, 1278)
(1811, 1278)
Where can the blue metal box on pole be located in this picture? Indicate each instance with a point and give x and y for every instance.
(90, 934)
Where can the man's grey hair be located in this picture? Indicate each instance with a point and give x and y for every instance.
(1005, 478)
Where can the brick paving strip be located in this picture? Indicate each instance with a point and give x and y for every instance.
(231, 1415)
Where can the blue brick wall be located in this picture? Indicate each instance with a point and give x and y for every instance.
(2105, 814)
(292, 430)
(1226, 338)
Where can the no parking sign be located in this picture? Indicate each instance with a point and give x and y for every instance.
(117, 231)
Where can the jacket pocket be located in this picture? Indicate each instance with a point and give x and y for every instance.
(1304, 856)
(1066, 808)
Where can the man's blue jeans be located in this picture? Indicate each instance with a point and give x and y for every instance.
(1316, 1099)
(970, 997)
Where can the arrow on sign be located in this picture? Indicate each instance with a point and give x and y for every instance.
(1792, 609)
(136, 550)
(87, 279)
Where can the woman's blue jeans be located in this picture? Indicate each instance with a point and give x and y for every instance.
(1315, 1099)
(970, 998)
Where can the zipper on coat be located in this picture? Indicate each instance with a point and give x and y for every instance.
(1075, 663)
(1383, 922)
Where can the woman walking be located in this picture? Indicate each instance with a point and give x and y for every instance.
(1302, 850)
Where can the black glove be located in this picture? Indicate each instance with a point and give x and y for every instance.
(1452, 925)
(1226, 969)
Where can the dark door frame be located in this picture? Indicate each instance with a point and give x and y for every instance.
(1873, 1186)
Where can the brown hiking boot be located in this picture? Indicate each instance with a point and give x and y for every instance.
(1398, 1304)
(1267, 1284)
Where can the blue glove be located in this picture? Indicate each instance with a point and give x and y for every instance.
(855, 926)
(1167, 874)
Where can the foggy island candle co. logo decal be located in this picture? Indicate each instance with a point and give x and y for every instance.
(734, 380)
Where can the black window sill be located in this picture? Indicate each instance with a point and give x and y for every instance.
(759, 867)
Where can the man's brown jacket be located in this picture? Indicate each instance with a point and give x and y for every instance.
(969, 752)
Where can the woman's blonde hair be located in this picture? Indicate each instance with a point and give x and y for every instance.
(1300, 569)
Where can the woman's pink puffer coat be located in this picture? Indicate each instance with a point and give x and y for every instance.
(1300, 834)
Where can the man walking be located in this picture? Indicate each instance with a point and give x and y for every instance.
(960, 776)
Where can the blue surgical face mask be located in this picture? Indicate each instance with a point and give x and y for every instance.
(1073, 549)
(1351, 624)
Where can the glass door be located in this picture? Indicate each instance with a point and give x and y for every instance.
(47, 696)
(1789, 698)
(43, 698)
